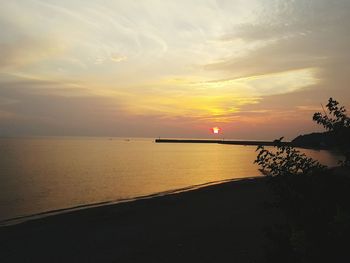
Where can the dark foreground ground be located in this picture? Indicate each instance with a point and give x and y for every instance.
(221, 223)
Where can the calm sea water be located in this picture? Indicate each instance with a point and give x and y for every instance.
(43, 174)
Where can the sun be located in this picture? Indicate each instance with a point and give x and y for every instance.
(215, 130)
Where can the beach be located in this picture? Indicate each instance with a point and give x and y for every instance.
(174, 131)
(217, 223)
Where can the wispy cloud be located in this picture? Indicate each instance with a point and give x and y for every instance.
(113, 62)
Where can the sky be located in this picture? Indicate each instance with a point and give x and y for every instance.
(258, 69)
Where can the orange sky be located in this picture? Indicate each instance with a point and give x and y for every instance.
(258, 69)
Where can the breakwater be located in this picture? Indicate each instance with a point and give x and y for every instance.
(222, 141)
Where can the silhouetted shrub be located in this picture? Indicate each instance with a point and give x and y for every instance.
(285, 160)
(336, 118)
(317, 218)
(314, 199)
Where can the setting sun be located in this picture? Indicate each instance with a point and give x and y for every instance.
(216, 130)
(113, 106)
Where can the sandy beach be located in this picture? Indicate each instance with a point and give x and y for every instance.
(218, 223)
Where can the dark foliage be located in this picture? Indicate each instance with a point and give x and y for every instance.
(285, 161)
(335, 119)
(317, 212)
(314, 199)
(338, 123)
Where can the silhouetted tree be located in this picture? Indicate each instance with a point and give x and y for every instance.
(337, 122)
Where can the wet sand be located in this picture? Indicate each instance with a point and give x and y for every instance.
(218, 223)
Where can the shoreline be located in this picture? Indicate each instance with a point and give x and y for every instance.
(210, 224)
(44, 214)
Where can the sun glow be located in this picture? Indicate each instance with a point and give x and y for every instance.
(216, 130)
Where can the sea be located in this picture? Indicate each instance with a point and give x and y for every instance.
(45, 175)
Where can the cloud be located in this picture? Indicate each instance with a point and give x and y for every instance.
(295, 35)
(260, 85)
(88, 67)
(117, 57)
(26, 51)
(301, 34)
(114, 57)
